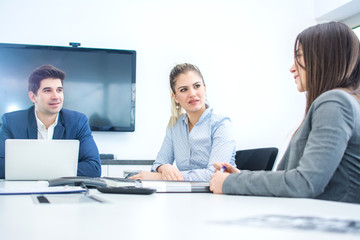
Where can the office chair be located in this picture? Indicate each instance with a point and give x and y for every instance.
(256, 159)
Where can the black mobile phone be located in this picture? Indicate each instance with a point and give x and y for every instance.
(126, 190)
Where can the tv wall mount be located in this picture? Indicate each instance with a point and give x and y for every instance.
(74, 44)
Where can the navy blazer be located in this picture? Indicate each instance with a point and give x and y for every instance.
(71, 125)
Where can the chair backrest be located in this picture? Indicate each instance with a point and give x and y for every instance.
(256, 159)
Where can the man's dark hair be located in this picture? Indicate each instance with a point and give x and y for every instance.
(44, 72)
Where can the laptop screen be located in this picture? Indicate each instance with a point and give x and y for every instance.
(33, 159)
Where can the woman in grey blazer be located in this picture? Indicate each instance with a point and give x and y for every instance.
(323, 158)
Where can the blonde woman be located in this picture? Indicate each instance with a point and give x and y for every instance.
(196, 137)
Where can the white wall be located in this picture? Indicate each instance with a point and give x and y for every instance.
(244, 49)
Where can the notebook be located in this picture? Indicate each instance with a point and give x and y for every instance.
(32, 159)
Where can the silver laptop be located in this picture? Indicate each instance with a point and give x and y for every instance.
(32, 159)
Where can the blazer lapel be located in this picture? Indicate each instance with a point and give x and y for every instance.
(59, 128)
(32, 126)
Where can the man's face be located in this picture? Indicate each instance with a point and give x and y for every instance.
(49, 98)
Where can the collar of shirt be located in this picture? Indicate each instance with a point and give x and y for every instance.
(44, 133)
(203, 116)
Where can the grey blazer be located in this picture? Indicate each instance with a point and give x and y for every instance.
(322, 160)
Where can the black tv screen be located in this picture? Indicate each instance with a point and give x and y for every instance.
(99, 82)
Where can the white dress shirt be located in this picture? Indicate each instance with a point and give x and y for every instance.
(43, 133)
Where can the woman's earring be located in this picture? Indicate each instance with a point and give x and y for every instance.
(177, 106)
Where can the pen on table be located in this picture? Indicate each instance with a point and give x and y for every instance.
(223, 168)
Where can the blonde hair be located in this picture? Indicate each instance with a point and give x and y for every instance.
(176, 112)
(176, 109)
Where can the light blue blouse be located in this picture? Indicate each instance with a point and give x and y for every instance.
(209, 141)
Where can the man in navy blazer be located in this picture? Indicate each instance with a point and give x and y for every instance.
(47, 120)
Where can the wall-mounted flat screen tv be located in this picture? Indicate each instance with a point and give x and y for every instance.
(99, 82)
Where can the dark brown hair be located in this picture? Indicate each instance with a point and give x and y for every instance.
(331, 59)
(41, 73)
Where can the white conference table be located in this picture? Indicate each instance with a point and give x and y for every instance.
(166, 216)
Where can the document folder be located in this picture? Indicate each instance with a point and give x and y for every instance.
(40, 190)
(176, 186)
